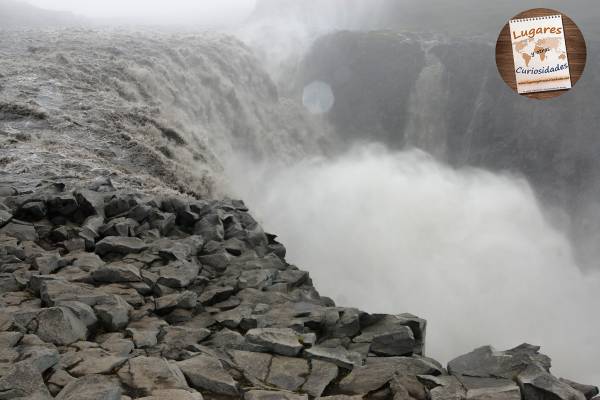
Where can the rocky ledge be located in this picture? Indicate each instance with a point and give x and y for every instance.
(111, 294)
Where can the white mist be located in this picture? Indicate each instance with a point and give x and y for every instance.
(468, 250)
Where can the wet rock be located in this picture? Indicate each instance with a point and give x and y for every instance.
(59, 325)
(282, 341)
(120, 245)
(207, 373)
(92, 387)
(147, 374)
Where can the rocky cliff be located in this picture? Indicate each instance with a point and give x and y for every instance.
(112, 293)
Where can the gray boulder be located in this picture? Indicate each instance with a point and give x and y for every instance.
(147, 374)
(398, 343)
(486, 362)
(178, 274)
(282, 341)
(23, 381)
(538, 384)
(253, 365)
(50, 263)
(182, 337)
(185, 300)
(384, 326)
(96, 361)
(173, 394)
(378, 371)
(92, 387)
(214, 295)
(5, 217)
(43, 356)
(287, 373)
(113, 312)
(20, 230)
(589, 391)
(120, 245)
(207, 373)
(144, 332)
(322, 373)
(272, 395)
(210, 227)
(490, 388)
(339, 356)
(117, 272)
(59, 325)
(444, 387)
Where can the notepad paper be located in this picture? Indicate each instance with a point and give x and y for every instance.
(540, 54)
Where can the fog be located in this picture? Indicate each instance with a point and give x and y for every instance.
(203, 12)
(468, 250)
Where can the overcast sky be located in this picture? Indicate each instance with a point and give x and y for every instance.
(156, 11)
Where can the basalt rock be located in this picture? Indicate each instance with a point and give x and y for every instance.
(129, 296)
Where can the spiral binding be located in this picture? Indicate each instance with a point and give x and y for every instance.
(536, 18)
